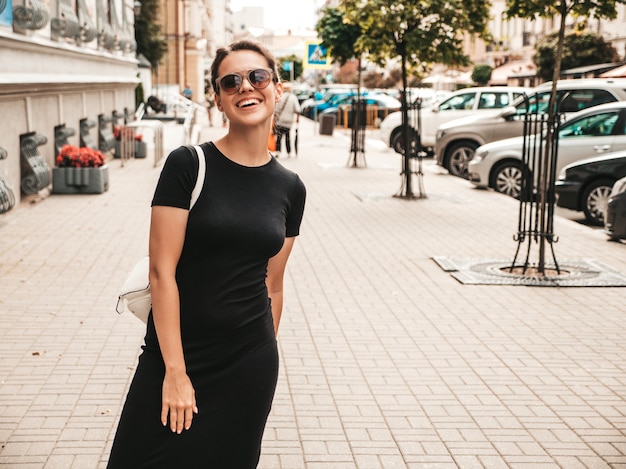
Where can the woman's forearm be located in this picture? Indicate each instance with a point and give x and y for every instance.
(166, 315)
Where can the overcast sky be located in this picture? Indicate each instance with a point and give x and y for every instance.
(284, 14)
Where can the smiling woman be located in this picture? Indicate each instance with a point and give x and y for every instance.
(205, 382)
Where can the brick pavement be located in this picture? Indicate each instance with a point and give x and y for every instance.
(386, 360)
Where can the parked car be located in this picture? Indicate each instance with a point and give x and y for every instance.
(303, 92)
(599, 129)
(457, 140)
(312, 108)
(461, 103)
(425, 97)
(615, 220)
(585, 186)
(378, 103)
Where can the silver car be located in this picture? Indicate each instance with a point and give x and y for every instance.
(596, 130)
(465, 102)
(457, 140)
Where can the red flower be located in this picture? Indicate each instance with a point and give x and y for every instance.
(83, 157)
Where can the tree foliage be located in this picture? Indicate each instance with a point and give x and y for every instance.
(578, 50)
(547, 8)
(148, 33)
(419, 33)
(563, 8)
(422, 31)
(337, 36)
(482, 74)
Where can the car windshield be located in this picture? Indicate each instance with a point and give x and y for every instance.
(461, 101)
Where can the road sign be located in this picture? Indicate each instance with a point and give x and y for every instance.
(316, 56)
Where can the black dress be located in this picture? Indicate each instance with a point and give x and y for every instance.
(240, 220)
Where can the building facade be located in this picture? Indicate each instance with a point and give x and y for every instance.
(62, 63)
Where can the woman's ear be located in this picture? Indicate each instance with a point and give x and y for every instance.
(279, 91)
(218, 102)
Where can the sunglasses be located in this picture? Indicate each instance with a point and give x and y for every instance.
(259, 78)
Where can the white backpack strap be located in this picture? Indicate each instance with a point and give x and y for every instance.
(201, 172)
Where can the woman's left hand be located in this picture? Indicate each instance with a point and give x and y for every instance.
(178, 401)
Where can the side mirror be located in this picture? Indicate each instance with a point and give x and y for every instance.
(508, 111)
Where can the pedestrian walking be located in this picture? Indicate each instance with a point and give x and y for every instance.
(206, 377)
(287, 110)
(210, 103)
(188, 92)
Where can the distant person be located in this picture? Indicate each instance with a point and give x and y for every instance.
(287, 109)
(209, 96)
(188, 92)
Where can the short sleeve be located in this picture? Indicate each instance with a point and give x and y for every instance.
(296, 208)
(177, 179)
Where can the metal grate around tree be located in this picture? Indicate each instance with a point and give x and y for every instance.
(537, 174)
(357, 141)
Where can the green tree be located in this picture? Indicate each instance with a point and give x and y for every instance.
(549, 8)
(533, 9)
(482, 74)
(340, 39)
(338, 36)
(579, 49)
(148, 33)
(419, 33)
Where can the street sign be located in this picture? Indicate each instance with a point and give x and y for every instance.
(316, 56)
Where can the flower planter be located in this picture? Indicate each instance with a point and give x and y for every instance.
(80, 180)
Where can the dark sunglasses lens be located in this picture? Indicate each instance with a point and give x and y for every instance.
(230, 83)
(260, 78)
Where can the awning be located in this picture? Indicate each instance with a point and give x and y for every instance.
(500, 75)
(589, 71)
(618, 72)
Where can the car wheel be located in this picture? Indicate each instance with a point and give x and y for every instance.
(397, 141)
(459, 155)
(595, 199)
(507, 178)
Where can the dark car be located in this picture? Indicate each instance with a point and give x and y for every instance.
(378, 106)
(615, 222)
(585, 185)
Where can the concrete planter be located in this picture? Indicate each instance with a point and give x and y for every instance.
(80, 180)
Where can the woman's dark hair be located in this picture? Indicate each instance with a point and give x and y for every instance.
(244, 44)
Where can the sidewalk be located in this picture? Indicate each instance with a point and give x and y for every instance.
(387, 361)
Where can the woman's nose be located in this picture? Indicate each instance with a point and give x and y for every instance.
(245, 82)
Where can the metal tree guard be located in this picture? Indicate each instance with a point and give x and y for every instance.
(413, 151)
(538, 175)
(357, 141)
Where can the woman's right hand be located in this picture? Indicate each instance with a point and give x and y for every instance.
(178, 401)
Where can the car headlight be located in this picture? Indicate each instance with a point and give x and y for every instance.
(479, 156)
(618, 187)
